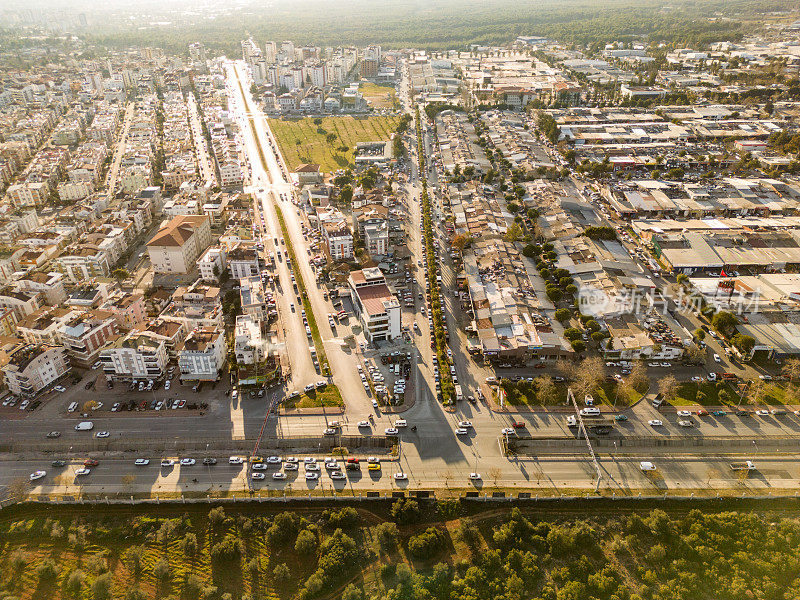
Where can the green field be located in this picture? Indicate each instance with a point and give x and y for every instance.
(328, 396)
(379, 96)
(524, 393)
(304, 141)
(401, 550)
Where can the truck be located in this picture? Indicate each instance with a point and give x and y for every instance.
(459, 393)
(743, 466)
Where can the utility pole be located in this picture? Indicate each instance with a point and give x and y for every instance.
(582, 428)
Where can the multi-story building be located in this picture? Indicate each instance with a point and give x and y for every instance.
(242, 262)
(376, 307)
(51, 286)
(137, 356)
(80, 262)
(129, 310)
(248, 341)
(376, 239)
(203, 355)
(254, 302)
(86, 334)
(32, 368)
(339, 239)
(178, 244)
(212, 264)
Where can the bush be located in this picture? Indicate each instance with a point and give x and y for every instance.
(162, 572)
(563, 314)
(73, 584)
(346, 518)
(405, 511)
(387, 534)
(229, 550)
(101, 588)
(47, 572)
(281, 573)
(136, 593)
(192, 587)
(189, 544)
(578, 345)
(426, 544)
(351, 592)
(306, 542)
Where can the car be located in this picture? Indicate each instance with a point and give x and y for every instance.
(363, 423)
(257, 476)
(167, 385)
(686, 423)
(208, 461)
(167, 462)
(37, 475)
(141, 462)
(401, 476)
(290, 466)
(777, 411)
(620, 417)
(702, 412)
(82, 471)
(329, 431)
(291, 460)
(259, 467)
(588, 400)
(717, 358)
(309, 460)
(337, 475)
(666, 365)
(312, 467)
(462, 431)
(400, 423)
(590, 411)
(655, 423)
(762, 412)
(279, 475)
(467, 424)
(116, 407)
(60, 388)
(159, 405)
(312, 476)
(373, 459)
(719, 413)
(102, 434)
(235, 460)
(745, 413)
(374, 403)
(187, 462)
(274, 460)
(54, 434)
(507, 431)
(684, 413)
(256, 460)
(474, 476)
(59, 462)
(374, 466)
(712, 376)
(647, 466)
(697, 379)
(91, 462)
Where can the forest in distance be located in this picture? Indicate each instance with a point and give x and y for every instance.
(436, 25)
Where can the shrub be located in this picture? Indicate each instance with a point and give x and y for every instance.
(281, 573)
(189, 545)
(228, 550)
(134, 557)
(136, 593)
(563, 314)
(306, 542)
(101, 588)
(162, 572)
(47, 572)
(387, 534)
(73, 584)
(346, 517)
(192, 587)
(405, 511)
(426, 544)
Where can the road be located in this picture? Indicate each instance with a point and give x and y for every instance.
(119, 150)
(204, 159)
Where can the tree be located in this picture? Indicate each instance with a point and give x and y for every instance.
(426, 544)
(514, 233)
(346, 195)
(563, 314)
(724, 322)
(189, 545)
(101, 587)
(73, 584)
(405, 511)
(306, 542)
(588, 375)
(529, 251)
(120, 274)
(134, 556)
(744, 343)
(351, 592)
(545, 389)
(161, 572)
(554, 294)
(282, 573)
(387, 534)
(460, 242)
(578, 345)
(700, 333)
(668, 387)
(791, 368)
(638, 377)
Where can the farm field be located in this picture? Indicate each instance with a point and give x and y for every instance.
(328, 141)
(398, 549)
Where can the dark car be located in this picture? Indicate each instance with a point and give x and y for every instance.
(209, 461)
(59, 463)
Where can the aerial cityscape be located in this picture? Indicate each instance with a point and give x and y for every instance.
(364, 300)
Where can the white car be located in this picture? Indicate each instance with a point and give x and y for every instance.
(684, 413)
(400, 423)
(82, 471)
(312, 467)
(37, 475)
(697, 379)
(309, 460)
(60, 388)
(474, 476)
(655, 423)
(507, 431)
(717, 358)
(279, 475)
(684, 423)
(374, 403)
(590, 411)
(400, 476)
(167, 462)
(290, 466)
(338, 475)
(235, 460)
(467, 424)
(291, 459)
(666, 365)
(329, 431)
(258, 476)
(462, 431)
(312, 476)
(141, 462)
(167, 385)
(274, 460)
(259, 466)
(762, 412)
(175, 404)
(363, 423)
(102, 434)
(647, 466)
(391, 431)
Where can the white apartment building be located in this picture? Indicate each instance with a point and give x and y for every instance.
(376, 238)
(177, 245)
(212, 264)
(242, 262)
(203, 354)
(339, 240)
(248, 341)
(140, 355)
(32, 368)
(376, 307)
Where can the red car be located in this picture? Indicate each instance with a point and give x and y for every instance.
(539, 366)
(518, 424)
(352, 460)
(702, 412)
(91, 462)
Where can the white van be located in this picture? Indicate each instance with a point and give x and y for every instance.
(72, 407)
(590, 411)
(647, 466)
(84, 426)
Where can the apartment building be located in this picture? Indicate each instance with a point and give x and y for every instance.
(248, 341)
(86, 334)
(203, 355)
(377, 308)
(32, 368)
(177, 245)
(140, 355)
